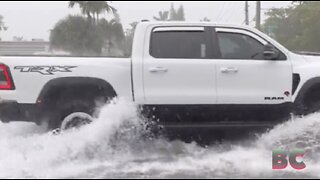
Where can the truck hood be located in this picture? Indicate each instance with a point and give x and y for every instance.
(311, 59)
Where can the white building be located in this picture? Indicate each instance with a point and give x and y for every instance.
(24, 47)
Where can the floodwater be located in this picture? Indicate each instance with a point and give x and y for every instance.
(116, 145)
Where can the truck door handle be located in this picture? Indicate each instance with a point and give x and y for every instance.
(158, 70)
(229, 70)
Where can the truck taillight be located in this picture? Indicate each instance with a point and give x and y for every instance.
(6, 82)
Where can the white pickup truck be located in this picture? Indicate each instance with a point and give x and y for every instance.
(183, 75)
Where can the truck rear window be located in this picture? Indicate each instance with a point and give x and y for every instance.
(178, 44)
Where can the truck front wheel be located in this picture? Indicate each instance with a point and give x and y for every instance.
(309, 102)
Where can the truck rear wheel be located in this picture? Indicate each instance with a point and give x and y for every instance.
(73, 114)
(68, 115)
(76, 120)
(63, 97)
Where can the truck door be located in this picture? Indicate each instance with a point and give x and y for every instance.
(244, 76)
(178, 66)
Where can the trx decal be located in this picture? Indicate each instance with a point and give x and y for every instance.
(45, 70)
(273, 98)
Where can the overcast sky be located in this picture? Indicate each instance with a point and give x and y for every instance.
(34, 19)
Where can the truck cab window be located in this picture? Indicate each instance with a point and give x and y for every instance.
(239, 46)
(178, 44)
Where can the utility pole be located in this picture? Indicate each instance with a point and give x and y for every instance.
(258, 15)
(247, 12)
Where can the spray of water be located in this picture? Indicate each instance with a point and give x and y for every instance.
(116, 145)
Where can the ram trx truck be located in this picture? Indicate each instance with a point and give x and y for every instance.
(180, 74)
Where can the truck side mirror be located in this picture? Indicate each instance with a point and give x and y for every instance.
(270, 53)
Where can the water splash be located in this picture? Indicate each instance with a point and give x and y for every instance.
(115, 146)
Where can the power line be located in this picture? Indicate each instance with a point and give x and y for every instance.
(232, 13)
(221, 12)
(229, 11)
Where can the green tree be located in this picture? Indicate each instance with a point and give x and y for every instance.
(296, 27)
(171, 15)
(129, 38)
(76, 35)
(180, 14)
(205, 19)
(163, 16)
(93, 9)
(2, 25)
(111, 29)
(113, 37)
(177, 15)
(79, 36)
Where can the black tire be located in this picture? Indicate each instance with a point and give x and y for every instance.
(76, 120)
(64, 99)
(59, 113)
(307, 105)
(63, 107)
(312, 107)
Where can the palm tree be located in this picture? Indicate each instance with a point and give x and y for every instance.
(163, 16)
(83, 6)
(99, 7)
(92, 9)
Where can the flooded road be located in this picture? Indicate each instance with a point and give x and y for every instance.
(115, 146)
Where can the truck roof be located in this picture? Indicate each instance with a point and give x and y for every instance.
(193, 23)
(145, 24)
